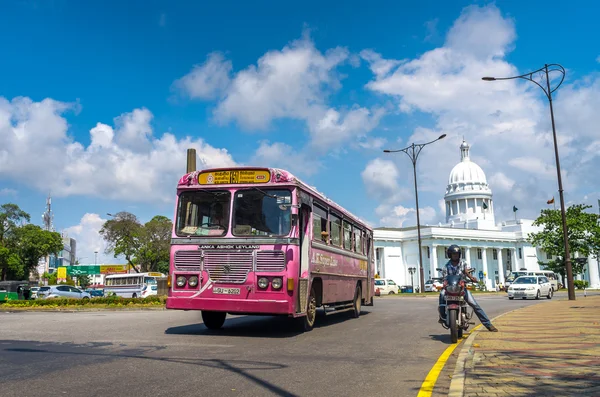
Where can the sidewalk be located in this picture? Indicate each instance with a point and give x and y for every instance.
(548, 349)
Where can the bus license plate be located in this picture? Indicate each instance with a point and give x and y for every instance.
(453, 298)
(226, 291)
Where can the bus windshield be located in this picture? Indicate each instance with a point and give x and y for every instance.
(203, 213)
(259, 212)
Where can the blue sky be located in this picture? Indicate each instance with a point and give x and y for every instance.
(317, 89)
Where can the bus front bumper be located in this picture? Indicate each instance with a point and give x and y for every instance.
(253, 306)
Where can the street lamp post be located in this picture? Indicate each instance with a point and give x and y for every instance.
(413, 152)
(544, 72)
(95, 258)
(412, 271)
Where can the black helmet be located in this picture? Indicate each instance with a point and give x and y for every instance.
(453, 249)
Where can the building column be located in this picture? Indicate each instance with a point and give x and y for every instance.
(593, 272)
(433, 260)
(515, 266)
(500, 266)
(486, 275)
(468, 255)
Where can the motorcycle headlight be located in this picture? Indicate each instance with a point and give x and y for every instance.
(263, 282)
(277, 283)
(180, 281)
(453, 288)
(193, 281)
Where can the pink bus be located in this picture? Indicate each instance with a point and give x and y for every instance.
(260, 241)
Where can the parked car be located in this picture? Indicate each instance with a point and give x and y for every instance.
(433, 285)
(34, 291)
(62, 291)
(149, 290)
(95, 293)
(524, 287)
(385, 286)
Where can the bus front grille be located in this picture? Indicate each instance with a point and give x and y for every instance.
(188, 260)
(228, 266)
(270, 261)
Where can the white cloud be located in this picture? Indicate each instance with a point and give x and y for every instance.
(122, 162)
(381, 179)
(291, 83)
(400, 216)
(89, 240)
(501, 182)
(598, 59)
(8, 192)
(506, 122)
(281, 155)
(374, 143)
(206, 81)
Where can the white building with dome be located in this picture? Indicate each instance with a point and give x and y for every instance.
(493, 249)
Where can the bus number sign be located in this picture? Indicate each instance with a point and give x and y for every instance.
(234, 177)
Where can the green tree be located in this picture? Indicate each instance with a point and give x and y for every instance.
(155, 243)
(51, 277)
(122, 235)
(84, 281)
(583, 235)
(34, 243)
(11, 217)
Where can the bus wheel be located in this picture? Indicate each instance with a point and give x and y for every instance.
(357, 302)
(213, 320)
(308, 322)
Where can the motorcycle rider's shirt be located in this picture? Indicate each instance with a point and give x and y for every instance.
(450, 269)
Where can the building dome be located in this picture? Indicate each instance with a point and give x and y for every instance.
(468, 195)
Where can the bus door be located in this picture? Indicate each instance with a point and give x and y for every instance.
(305, 240)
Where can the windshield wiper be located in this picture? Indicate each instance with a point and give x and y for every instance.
(216, 194)
(266, 194)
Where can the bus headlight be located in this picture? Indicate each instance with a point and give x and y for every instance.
(263, 282)
(180, 281)
(277, 283)
(193, 281)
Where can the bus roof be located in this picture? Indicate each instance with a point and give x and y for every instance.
(149, 274)
(251, 176)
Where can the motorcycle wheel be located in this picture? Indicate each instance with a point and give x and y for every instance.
(453, 326)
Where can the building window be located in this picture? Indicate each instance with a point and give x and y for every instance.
(495, 254)
(548, 256)
(520, 253)
(428, 252)
(479, 253)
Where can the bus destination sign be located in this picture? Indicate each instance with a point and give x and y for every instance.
(234, 177)
(228, 247)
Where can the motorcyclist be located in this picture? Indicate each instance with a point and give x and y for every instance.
(457, 266)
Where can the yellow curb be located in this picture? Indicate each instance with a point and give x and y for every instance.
(430, 380)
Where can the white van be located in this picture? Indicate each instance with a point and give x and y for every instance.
(553, 277)
(385, 286)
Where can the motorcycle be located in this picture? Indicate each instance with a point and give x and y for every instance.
(457, 313)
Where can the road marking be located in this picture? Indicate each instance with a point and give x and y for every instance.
(432, 377)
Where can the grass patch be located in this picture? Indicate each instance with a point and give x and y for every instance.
(113, 302)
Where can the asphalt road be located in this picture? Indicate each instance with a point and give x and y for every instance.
(388, 351)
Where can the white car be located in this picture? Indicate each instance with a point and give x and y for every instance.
(524, 287)
(433, 285)
(62, 291)
(385, 287)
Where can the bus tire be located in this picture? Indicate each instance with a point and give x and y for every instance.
(307, 322)
(213, 320)
(357, 302)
